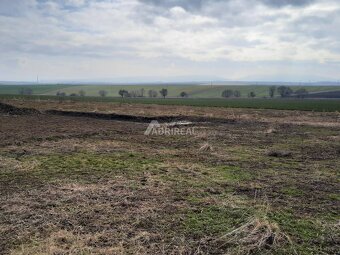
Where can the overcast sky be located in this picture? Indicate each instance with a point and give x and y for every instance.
(230, 39)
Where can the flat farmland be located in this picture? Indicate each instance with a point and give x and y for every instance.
(193, 91)
(81, 177)
(319, 105)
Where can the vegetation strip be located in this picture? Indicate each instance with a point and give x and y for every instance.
(318, 105)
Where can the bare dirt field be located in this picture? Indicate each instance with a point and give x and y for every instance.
(244, 182)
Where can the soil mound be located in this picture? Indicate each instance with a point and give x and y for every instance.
(10, 109)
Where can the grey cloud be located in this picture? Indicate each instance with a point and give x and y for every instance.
(281, 3)
(188, 5)
(194, 5)
(15, 7)
(230, 13)
(317, 27)
(247, 31)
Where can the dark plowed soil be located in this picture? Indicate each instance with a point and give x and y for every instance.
(325, 94)
(140, 119)
(9, 109)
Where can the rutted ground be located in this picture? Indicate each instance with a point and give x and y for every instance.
(80, 185)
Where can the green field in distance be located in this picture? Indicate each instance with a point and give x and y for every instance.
(194, 91)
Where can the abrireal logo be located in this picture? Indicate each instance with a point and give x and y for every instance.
(169, 129)
(153, 125)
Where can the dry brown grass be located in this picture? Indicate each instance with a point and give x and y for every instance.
(111, 217)
(17, 165)
(66, 242)
(206, 148)
(149, 211)
(255, 235)
(270, 130)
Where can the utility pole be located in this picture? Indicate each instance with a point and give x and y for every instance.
(37, 79)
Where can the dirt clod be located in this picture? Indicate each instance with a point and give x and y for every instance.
(279, 154)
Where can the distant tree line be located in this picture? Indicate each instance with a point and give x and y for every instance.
(125, 93)
(282, 91)
(81, 93)
(285, 91)
(231, 93)
(133, 93)
(150, 93)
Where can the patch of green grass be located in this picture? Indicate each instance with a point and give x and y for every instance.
(213, 220)
(308, 235)
(90, 163)
(80, 167)
(292, 191)
(234, 174)
(36, 89)
(241, 153)
(280, 164)
(319, 105)
(334, 196)
(315, 130)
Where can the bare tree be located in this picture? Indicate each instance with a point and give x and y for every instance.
(184, 94)
(102, 93)
(237, 93)
(284, 91)
(152, 93)
(163, 92)
(252, 94)
(227, 93)
(133, 93)
(123, 93)
(272, 90)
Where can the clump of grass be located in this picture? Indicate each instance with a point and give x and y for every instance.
(270, 130)
(258, 234)
(255, 234)
(292, 191)
(206, 148)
